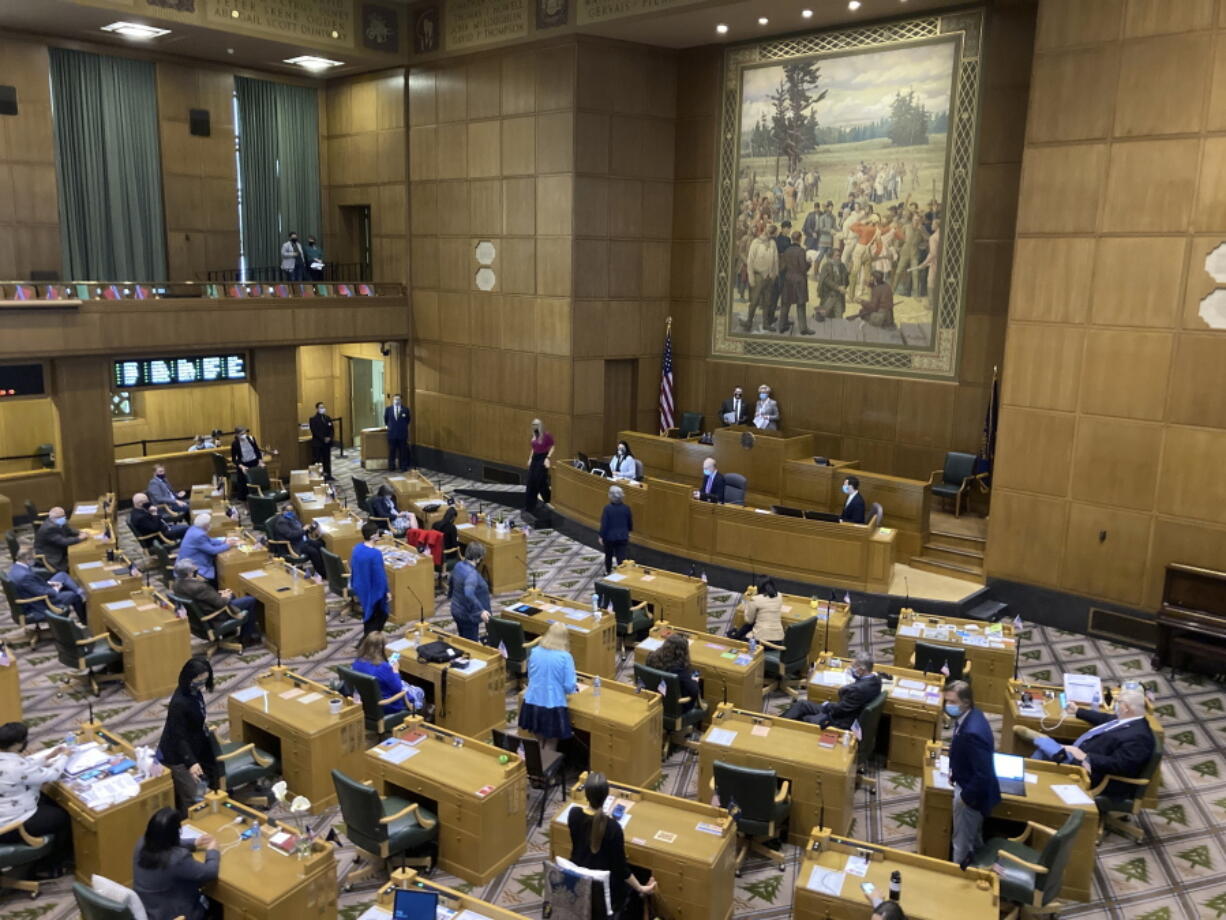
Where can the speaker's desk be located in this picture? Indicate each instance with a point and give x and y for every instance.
(505, 565)
(264, 884)
(593, 635)
(1041, 803)
(481, 802)
(680, 599)
(410, 580)
(104, 835)
(291, 717)
(730, 672)
(156, 642)
(312, 503)
(991, 649)
(372, 448)
(10, 686)
(470, 700)
(102, 583)
(244, 556)
(625, 726)
(689, 847)
(912, 706)
(295, 615)
(762, 465)
(833, 633)
(340, 533)
(456, 902)
(1044, 715)
(822, 773)
(932, 889)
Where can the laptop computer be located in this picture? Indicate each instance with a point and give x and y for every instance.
(415, 905)
(1011, 773)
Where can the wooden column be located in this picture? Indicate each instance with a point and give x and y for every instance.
(85, 454)
(275, 381)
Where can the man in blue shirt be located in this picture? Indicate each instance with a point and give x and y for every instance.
(470, 595)
(200, 548)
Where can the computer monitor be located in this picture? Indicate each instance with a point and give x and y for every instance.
(822, 516)
(583, 460)
(785, 511)
(415, 905)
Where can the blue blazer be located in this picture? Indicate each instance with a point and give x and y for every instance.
(201, 549)
(616, 522)
(367, 577)
(970, 763)
(28, 583)
(716, 492)
(469, 594)
(551, 675)
(397, 429)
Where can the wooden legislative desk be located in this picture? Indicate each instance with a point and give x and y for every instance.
(762, 466)
(410, 580)
(132, 474)
(409, 486)
(469, 701)
(991, 649)
(1045, 716)
(290, 717)
(156, 642)
(505, 565)
(625, 726)
(241, 557)
(306, 480)
(668, 518)
(100, 541)
(429, 507)
(340, 533)
(10, 686)
(833, 633)
(455, 901)
(103, 582)
(204, 497)
(932, 889)
(372, 448)
(823, 778)
(92, 515)
(43, 487)
(480, 800)
(680, 599)
(264, 884)
(295, 612)
(730, 673)
(1040, 803)
(312, 503)
(688, 846)
(104, 839)
(672, 459)
(912, 706)
(593, 637)
(6, 513)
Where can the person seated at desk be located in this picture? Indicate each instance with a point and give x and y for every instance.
(446, 526)
(59, 588)
(842, 713)
(383, 505)
(598, 843)
(146, 520)
(372, 659)
(763, 615)
(735, 411)
(853, 507)
(469, 593)
(368, 579)
(185, 746)
(673, 656)
(616, 524)
(1119, 744)
(972, 770)
(622, 464)
(188, 584)
(883, 909)
(711, 489)
(286, 526)
(53, 538)
(161, 492)
(22, 801)
(206, 441)
(202, 549)
(766, 412)
(165, 875)
(551, 678)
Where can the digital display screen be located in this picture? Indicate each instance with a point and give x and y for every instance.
(21, 380)
(156, 372)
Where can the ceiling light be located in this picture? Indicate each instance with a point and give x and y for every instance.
(722, 28)
(234, 14)
(853, 5)
(762, 20)
(135, 30)
(808, 14)
(312, 63)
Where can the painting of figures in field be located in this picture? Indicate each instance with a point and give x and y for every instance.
(840, 181)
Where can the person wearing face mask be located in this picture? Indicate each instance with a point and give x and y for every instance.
(971, 770)
(711, 488)
(189, 585)
(302, 540)
(538, 467)
(766, 412)
(185, 747)
(314, 257)
(621, 464)
(31, 582)
(200, 548)
(616, 525)
(146, 520)
(853, 504)
(322, 433)
(865, 686)
(161, 492)
(396, 419)
(293, 259)
(54, 537)
(735, 411)
(22, 801)
(246, 454)
(763, 614)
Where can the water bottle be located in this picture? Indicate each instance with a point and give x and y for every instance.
(704, 576)
(596, 685)
(70, 740)
(895, 885)
(257, 839)
(753, 645)
(595, 600)
(394, 659)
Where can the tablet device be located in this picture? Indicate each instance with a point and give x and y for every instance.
(1011, 773)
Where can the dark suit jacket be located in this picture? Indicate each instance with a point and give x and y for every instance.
(236, 452)
(321, 427)
(290, 529)
(852, 699)
(746, 410)
(145, 523)
(382, 506)
(970, 763)
(397, 430)
(52, 542)
(1122, 751)
(185, 737)
(174, 891)
(717, 488)
(200, 591)
(853, 511)
(29, 583)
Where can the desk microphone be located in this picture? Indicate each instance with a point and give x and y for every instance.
(278, 657)
(422, 609)
(91, 712)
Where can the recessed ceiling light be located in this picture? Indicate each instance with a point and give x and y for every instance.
(762, 20)
(722, 28)
(234, 14)
(853, 5)
(313, 63)
(808, 14)
(135, 30)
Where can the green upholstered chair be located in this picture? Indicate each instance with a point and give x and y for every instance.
(691, 425)
(258, 482)
(18, 858)
(678, 719)
(509, 634)
(92, 658)
(1119, 798)
(384, 827)
(261, 509)
(337, 574)
(759, 804)
(633, 620)
(931, 658)
(789, 661)
(220, 629)
(361, 491)
(378, 720)
(544, 767)
(1028, 876)
(866, 752)
(953, 480)
(28, 612)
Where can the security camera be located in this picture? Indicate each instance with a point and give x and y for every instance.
(385, 348)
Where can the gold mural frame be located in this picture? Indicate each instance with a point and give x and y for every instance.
(940, 360)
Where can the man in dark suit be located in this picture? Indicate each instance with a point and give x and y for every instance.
(396, 418)
(1119, 744)
(842, 713)
(853, 507)
(972, 770)
(286, 526)
(246, 454)
(146, 520)
(321, 440)
(189, 585)
(735, 411)
(54, 537)
(59, 589)
(711, 489)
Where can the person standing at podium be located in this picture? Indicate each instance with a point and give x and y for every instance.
(735, 411)
(766, 413)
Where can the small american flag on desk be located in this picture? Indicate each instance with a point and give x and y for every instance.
(666, 380)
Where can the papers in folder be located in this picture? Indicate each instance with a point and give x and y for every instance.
(1071, 794)
(723, 736)
(85, 758)
(651, 643)
(247, 694)
(110, 790)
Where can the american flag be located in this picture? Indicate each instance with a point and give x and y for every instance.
(666, 381)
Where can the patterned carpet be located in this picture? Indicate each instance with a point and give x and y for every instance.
(1178, 873)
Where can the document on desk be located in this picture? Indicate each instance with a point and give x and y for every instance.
(1071, 794)
(87, 509)
(305, 496)
(375, 912)
(310, 697)
(464, 526)
(398, 753)
(614, 577)
(911, 683)
(255, 573)
(856, 865)
(908, 630)
(648, 578)
(120, 605)
(247, 694)
(651, 643)
(472, 666)
(831, 678)
(399, 645)
(941, 781)
(90, 565)
(105, 583)
(826, 881)
(723, 736)
(291, 693)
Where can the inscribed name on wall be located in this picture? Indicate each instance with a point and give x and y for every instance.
(314, 20)
(481, 22)
(600, 10)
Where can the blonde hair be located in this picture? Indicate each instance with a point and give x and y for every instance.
(556, 638)
(373, 648)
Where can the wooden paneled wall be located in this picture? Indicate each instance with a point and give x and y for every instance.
(1113, 429)
(323, 376)
(25, 424)
(180, 411)
(29, 209)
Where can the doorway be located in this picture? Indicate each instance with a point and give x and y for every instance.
(355, 249)
(365, 396)
(620, 398)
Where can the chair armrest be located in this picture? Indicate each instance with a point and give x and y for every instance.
(110, 640)
(932, 479)
(1112, 778)
(784, 789)
(248, 747)
(639, 606)
(288, 548)
(774, 645)
(534, 642)
(409, 809)
(90, 640)
(206, 617)
(394, 698)
(34, 600)
(1033, 867)
(671, 432)
(20, 827)
(685, 699)
(1035, 828)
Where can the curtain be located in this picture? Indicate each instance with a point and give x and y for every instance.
(108, 163)
(278, 160)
